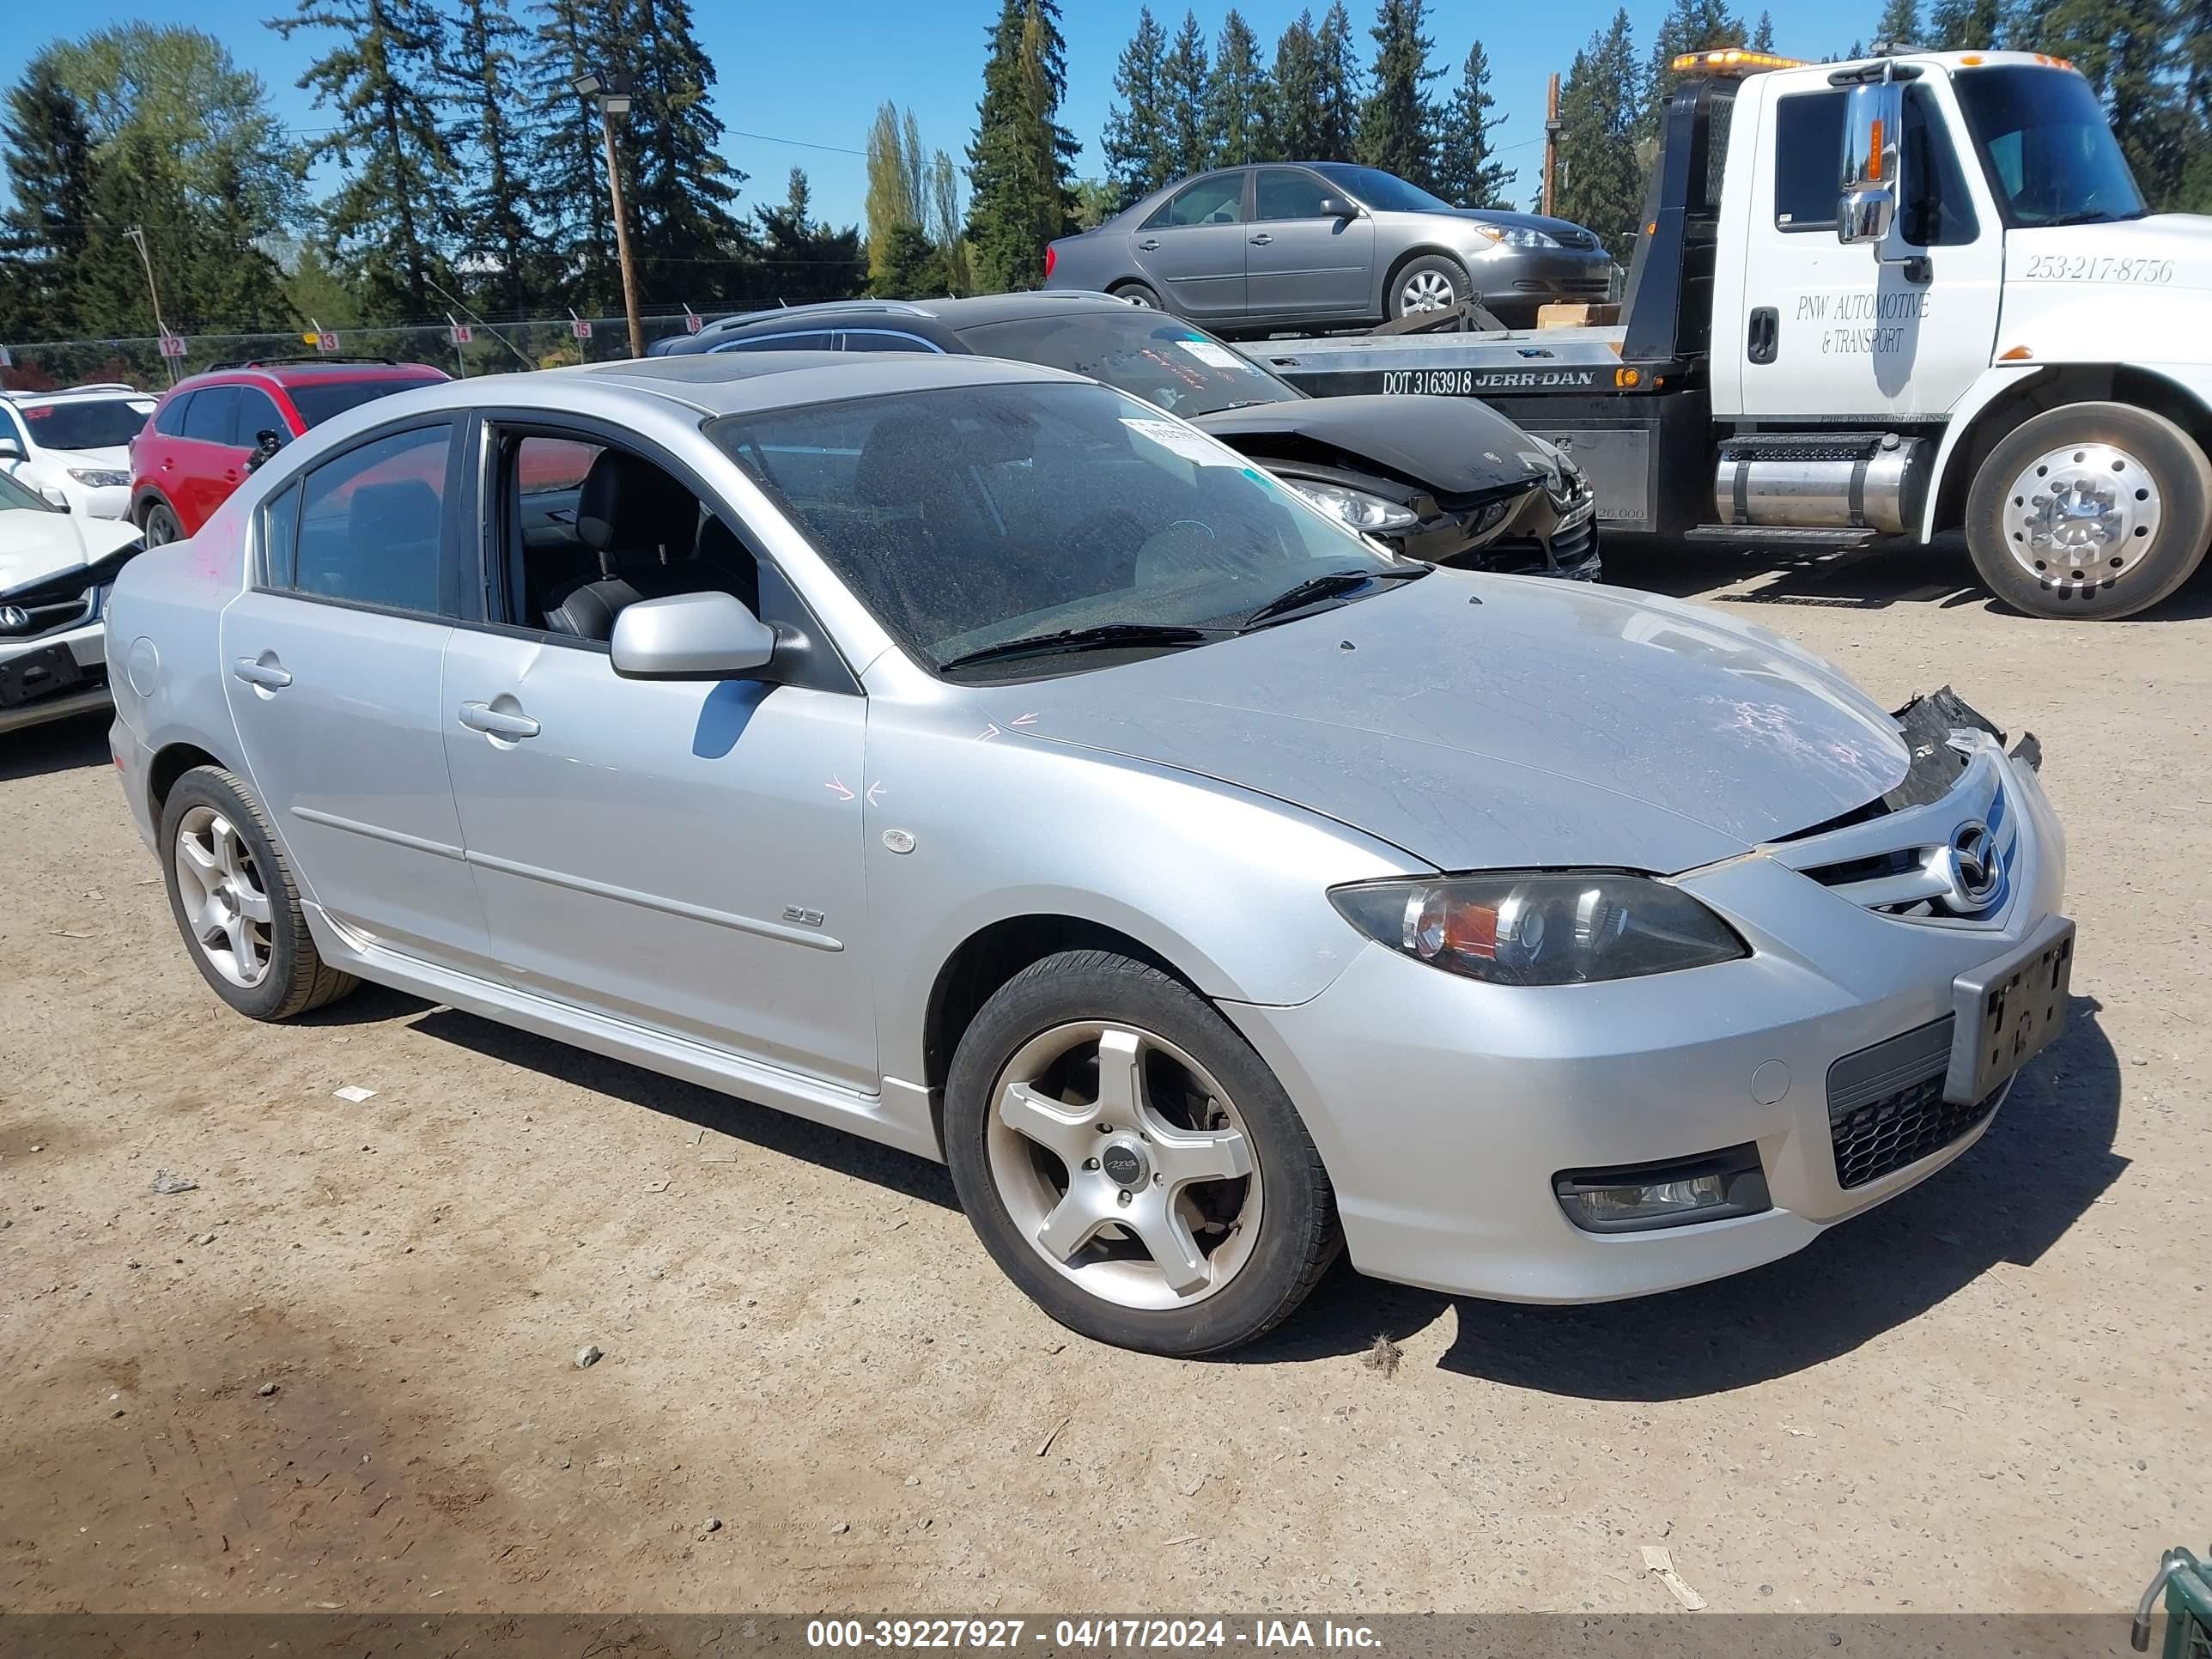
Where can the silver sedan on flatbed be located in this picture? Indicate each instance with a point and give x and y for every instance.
(982, 760)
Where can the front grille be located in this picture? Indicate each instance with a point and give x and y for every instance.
(1574, 553)
(1581, 239)
(51, 618)
(1885, 1105)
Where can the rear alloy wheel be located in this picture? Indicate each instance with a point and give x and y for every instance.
(1129, 1161)
(2092, 510)
(235, 903)
(161, 526)
(1431, 283)
(1138, 295)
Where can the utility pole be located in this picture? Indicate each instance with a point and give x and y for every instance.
(612, 96)
(1551, 141)
(137, 236)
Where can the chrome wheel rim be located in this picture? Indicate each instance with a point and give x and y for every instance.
(2083, 517)
(1138, 299)
(1426, 290)
(227, 909)
(1125, 1165)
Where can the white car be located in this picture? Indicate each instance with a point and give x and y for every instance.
(73, 446)
(55, 569)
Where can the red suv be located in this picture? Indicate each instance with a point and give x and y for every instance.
(206, 430)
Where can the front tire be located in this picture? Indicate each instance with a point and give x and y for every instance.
(1431, 283)
(2091, 510)
(1129, 1161)
(234, 901)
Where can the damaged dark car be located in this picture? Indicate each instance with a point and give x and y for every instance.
(1447, 480)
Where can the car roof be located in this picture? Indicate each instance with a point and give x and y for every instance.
(950, 313)
(309, 372)
(107, 390)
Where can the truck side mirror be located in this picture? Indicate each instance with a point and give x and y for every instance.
(1874, 121)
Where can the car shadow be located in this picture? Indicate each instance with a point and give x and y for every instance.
(2040, 1166)
(58, 746)
(1875, 576)
(764, 1127)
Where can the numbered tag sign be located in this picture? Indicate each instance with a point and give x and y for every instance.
(463, 334)
(171, 346)
(7, 358)
(326, 341)
(580, 327)
(693, 322)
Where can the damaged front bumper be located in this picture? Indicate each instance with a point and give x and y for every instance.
(53, 660)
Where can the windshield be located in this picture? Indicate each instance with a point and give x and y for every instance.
(16, 497)
(86, 424)
(1165, 362)
(1385, 191)
(318, 400)
(968, 516)
(2051, 157)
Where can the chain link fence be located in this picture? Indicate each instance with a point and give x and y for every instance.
(491, 348)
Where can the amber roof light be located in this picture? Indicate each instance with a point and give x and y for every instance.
(1732, 60)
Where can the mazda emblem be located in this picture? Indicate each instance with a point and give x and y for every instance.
(1975, 863)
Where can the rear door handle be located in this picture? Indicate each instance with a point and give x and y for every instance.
(483, 717)
(1149, 243)
(269, 676)
(1261, 240)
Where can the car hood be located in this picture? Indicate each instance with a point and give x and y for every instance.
(1497, 722)
(1550, 227)
(36, 545)
(1448, 446)
(115, 457)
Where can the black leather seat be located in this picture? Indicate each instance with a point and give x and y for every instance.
(645, 529)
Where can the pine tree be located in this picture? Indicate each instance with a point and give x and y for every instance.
(1020, 163)
(1899, 23)
(1237, 102)
(138, 186)
(1762, 38)
(1602, 105)
(1186, 85)
(1337, 129)
(1136, 143)
(496, 233)
(1689, 25)
(1963, 25)
(683, 194)
(2125, 50)
(912, 269)
(566, 167)
(801, 260)
(1296, 120)
(231, 280)
(895, 181)
(1468, 174)
(395, 215)
(1398, 123)
(48, 158)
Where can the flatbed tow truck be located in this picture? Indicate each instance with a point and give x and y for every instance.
(1903, 295)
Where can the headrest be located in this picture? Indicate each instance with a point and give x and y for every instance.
(631, 505)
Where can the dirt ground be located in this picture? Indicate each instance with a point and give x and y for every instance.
(1983, 1396)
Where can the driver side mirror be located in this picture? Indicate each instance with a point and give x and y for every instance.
(1336, 207)
(691, 636)
(1874, 122)
(10, 450)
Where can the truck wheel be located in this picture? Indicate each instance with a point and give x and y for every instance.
(2093, 510)
(1431, 283)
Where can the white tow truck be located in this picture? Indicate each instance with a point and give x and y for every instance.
(1903, 296)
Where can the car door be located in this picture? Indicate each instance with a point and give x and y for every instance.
(1300, 262)
(209, 464)
(1827, 330)
(331, 662)
(681, 855)
(154, 451)
(255, 414)
(1192, 250)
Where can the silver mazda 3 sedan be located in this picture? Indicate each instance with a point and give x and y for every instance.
(976, 758)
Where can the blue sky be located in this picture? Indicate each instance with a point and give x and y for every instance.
(793, 76)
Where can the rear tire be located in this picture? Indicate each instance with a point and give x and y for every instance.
(1198, 1218)
(159, 522)
(2091, 510)
(1431, 283)
(1140, 295)
(232, 894)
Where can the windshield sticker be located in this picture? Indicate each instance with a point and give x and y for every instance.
(1191, 446)
(1212, 355)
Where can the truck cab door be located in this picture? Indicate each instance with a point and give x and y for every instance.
(1825, 331)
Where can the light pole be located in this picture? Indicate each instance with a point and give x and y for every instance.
(612, 93)
(136, 236)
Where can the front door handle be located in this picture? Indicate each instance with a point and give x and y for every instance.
(269, 676)
(1261, 240)
(1149, 243)
(1764, 339)
(483, 717)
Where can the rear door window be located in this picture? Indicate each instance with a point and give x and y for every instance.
(1216, 201)
(373, 523)
(170, 422)
(213, 414)
(814, 341)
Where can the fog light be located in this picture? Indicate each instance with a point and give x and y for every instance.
(1639, 1197)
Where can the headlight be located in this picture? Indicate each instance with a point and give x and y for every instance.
(99, 478)
(1521, 236)
(1548, 929)
(1356, 507)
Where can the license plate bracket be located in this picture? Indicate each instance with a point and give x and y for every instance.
(38, 673)
(2008, 1011)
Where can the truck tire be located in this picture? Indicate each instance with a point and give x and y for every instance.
(1431, 283)
(2091, 511)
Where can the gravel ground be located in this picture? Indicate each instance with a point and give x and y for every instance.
(340, 1370)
